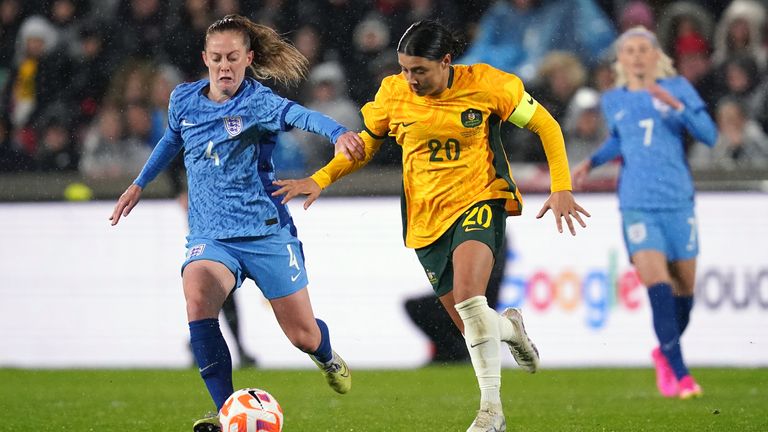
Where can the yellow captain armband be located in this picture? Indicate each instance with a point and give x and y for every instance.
(524, 111)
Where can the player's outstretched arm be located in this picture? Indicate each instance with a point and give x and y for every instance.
(564, 206)
(290, 189)
(126, 203)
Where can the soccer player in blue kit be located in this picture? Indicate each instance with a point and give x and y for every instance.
(227, 126)
(648, 114)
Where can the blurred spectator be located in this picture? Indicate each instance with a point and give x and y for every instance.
(139, 26)
(10, 22)
(12, 158)
(636, 13)
(371, 37)
(164, 81)
(515, 35)
(91, 72)
(559, 75)
(106, 154)
(583, 127)
(56, 150)
(138, 125)
(741, 143)
(684, 19)
(328, 95)
(603, 76)
(740, 33)
(336, 19)
(65, 15)
(188, 37)
(130, 83)
(741, 77)
(36, 38)
(443, 11)
(223, 8)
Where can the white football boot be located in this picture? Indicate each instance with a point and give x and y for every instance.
(522, 348)
(488, 421)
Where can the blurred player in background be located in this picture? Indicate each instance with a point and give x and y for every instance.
(227, 126)
(457, 187)
(648, 115)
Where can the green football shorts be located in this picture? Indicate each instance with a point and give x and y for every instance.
(485, 222)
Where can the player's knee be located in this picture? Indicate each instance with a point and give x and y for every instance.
(200, 307)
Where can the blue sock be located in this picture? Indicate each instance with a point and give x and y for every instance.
(665, 325)
(323, 354)
(683, 306)
(213, 358)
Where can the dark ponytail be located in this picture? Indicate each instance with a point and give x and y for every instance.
(431, 40)
(273, 56)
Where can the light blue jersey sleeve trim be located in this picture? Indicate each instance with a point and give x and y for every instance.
(313, 121)
(164, 152)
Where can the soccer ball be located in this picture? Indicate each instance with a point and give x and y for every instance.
(251, 410)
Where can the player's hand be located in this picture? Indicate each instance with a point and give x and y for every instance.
(293, 188)
(663, 95)
(563, 206)
(581, 172)
(126, 203)
(351, 145)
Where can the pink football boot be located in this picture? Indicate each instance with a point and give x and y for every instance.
(688, 388)
(666, 381)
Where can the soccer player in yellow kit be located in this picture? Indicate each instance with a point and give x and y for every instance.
(457, 187)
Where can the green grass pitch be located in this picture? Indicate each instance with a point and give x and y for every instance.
(439, 399)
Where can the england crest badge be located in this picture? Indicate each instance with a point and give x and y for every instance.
(233, 125)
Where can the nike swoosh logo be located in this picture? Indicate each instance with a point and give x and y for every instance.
(477, 344)
(186, 123)
(530, 101)
(468, 229)
(406, 124)
(209, 366)
(293, 278)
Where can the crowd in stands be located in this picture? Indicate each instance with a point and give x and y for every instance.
(85, 84)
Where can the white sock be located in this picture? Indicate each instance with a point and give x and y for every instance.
(481, 333)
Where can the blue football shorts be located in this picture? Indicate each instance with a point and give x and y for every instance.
(275, 262)
(672, 232)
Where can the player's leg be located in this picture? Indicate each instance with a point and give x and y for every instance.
(311, 335)
(206, 285)
(231, 316)
(277, 265)
(684, 275)
(472, 262)
(680, 227)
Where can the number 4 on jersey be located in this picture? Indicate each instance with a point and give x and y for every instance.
(210, 154)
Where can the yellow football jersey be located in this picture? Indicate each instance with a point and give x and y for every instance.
(452, 151)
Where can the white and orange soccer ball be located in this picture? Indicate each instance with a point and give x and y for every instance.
(251, 410)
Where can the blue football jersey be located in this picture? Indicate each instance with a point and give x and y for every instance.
(228, 156)
(649, 136)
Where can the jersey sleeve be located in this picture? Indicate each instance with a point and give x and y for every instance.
(340, 166)
(375, 113)
(505, 92)
(270, 110)
(695, 116)
(174, 120)
(689, 96)
(166, 149)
